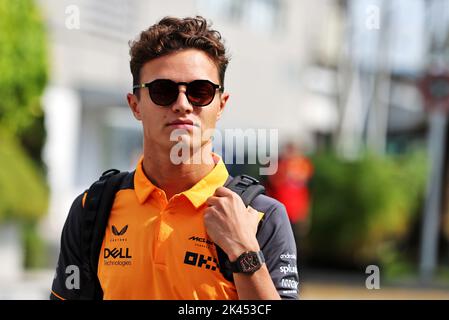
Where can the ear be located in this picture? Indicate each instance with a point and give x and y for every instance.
(134, 105)
(223, 100)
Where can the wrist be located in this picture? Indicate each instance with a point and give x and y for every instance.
(237, 250)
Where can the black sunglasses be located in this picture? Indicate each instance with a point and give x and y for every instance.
(165, 92)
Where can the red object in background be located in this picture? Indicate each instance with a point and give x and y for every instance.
(289, 185)
(435, 89)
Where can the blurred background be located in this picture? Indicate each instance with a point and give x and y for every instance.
(357, 89)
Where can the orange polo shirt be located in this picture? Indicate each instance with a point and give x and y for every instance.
(159, 249)
(156, 248)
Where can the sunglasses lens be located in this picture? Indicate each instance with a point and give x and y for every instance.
(201, 92)
(163, 92)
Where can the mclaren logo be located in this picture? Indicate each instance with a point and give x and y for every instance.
(121, 232)
(201, 240)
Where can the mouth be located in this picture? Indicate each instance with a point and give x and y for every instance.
(182, 124)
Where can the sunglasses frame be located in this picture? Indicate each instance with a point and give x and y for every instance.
(187, 84)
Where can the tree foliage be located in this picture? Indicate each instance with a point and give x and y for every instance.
(362, 207)
(23, 76)
(23, 64)
(23, 192)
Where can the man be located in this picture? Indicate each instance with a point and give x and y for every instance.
(168, 218)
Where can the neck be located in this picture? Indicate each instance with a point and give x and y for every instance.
(176, 178)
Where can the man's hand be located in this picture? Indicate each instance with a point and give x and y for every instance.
(230, 224)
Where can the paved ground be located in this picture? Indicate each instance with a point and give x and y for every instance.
(336, 286)
(315, 285)
(339, 291)
(30, 286)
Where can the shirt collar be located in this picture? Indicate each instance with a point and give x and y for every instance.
(142, 185)
(197, 194)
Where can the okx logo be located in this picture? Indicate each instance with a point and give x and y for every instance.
(200, 260)
(121, 232)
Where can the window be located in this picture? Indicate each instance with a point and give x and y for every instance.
(258, 15)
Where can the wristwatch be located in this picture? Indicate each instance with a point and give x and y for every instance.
(248, 262)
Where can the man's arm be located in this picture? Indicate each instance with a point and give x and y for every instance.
(233, 227)
(258, 285)
(276, 239)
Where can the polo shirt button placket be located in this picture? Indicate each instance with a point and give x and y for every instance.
(161, 198)
(162, 234)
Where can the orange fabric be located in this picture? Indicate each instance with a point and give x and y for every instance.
(159, 249)
(57, 295)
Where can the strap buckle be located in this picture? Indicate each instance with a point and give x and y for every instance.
(246, 181)
(109, 173)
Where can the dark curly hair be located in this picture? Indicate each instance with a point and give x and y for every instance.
(174, 34)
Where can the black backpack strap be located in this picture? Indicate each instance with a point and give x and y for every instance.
(248, 188)
(97, 208)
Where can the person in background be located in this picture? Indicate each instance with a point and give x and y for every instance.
(289, 185)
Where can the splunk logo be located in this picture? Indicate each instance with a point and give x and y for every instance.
(200, 260)
(288, 269)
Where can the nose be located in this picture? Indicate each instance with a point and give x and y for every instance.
(182, 104)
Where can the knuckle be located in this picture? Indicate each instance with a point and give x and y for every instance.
(207, 215)
(225, 191)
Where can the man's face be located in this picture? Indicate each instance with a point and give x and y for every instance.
(183, 66)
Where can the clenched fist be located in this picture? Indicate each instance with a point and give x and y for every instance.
(230, 224)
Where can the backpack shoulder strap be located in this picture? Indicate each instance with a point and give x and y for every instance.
(97, 208)
(248, 188)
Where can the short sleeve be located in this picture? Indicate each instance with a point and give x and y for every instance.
(277, 242)
(66, 284)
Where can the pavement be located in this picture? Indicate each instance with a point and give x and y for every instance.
(339, 291)
(31, 285)
(325, 285)
(315, 285)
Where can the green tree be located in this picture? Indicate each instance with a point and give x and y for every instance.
(23, 76)
(23, 64)
(363, 210)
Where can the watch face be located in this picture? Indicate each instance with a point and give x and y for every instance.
(249, 262)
